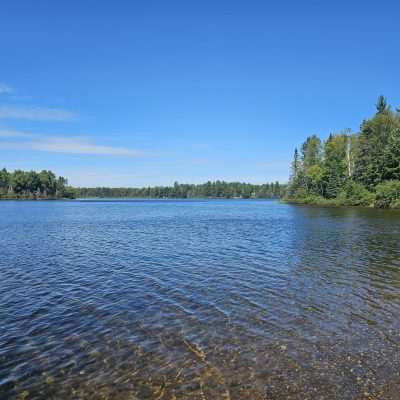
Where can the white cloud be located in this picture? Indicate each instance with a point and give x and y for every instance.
(79, 146)
(61, 144)
(10, 133)
(36, 113)
(4, 89)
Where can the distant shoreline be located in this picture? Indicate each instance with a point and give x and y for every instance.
(136, 198)
(34, 199)
(45, 185)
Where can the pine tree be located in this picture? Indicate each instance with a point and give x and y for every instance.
(295, 164)
(381, 105)
(373, 140)
(392, 157)
(335, 165)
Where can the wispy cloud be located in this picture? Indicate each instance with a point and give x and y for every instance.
(10, 133)
(5, 89)
(36, 114)
(78, 146)
(62, 144)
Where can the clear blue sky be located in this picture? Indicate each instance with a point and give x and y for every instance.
(141, 93)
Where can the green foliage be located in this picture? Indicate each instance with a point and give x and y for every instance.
(296, 165)
(381, 105)
(395, 204)
(217, 189)
(352, 169)
(314, 179)
(355, 194)
(311, 151)
(32, 185)
(374, 145)
(391, 156)
(388, 194)
(335, 168)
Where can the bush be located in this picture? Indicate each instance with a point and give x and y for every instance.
(312, 199)
(388, 195)
(395, 204)
(355, 194)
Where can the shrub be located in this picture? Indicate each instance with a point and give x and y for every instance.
(388, 194)
(355, 194)
(395, 204)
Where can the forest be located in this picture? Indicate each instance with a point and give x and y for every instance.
(46, 185)
(351, 169)
(355, 169)
(32, 185)
(217, 189)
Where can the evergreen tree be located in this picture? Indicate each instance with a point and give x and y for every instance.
(381, 105)
(355, 169)
(372, 144)
(311, 174)
(295, 165)
(392, 157)
(335, 166)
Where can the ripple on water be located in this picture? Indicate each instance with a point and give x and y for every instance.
(198, 300)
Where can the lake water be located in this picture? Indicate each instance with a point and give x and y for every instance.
(198, 300)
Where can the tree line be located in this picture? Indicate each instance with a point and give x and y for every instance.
(33, 185)
(46, 185)
(360, 168)
(217, 189)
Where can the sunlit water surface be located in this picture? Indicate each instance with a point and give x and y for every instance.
(198, 300)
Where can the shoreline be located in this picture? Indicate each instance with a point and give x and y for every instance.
(135, 198)
(334, 203)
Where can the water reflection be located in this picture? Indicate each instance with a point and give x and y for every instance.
(198, 300)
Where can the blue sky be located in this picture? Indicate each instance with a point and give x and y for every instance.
(133, 93)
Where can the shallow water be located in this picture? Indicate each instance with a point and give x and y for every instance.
(198, 300)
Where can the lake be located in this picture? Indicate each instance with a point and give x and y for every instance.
(213, 299)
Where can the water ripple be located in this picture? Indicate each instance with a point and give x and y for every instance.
(198, 300)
